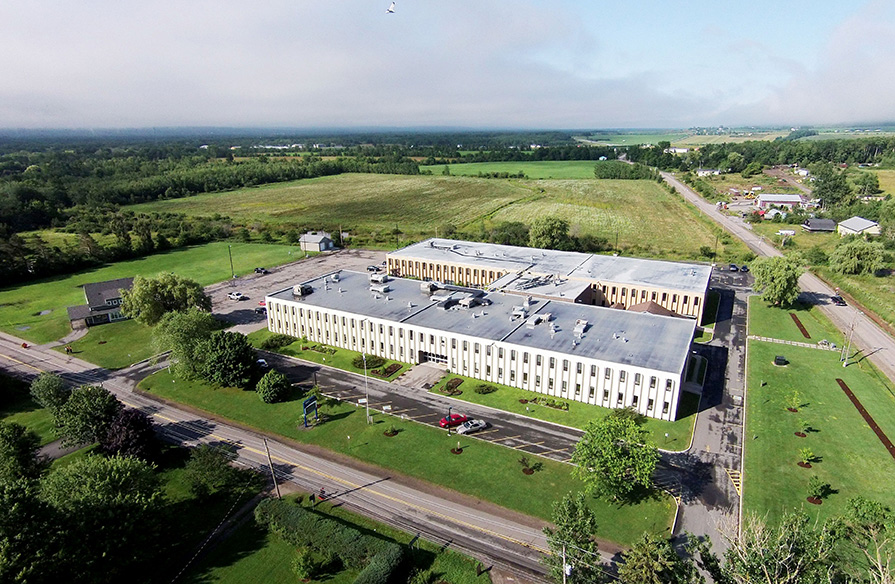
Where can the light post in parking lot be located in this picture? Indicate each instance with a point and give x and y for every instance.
(366, 389)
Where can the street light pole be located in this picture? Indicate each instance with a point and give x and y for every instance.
(366, 389)
(847, 348)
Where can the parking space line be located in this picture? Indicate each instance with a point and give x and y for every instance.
(546, 452)
(423, 416)
(506, 438)
(527, 444)
(482, 433)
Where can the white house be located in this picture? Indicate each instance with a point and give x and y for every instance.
(767, 200)
(316, 241)
(707, 172)
(858, 226)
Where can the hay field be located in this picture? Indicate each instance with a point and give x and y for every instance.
(649, 221)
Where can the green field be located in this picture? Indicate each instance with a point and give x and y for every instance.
(776, 323)
(485, 471)
(559, 169)
(252, 554)
(579, 414)
(21, 306)
(852, 459)
(886, 180)
(632, 139)
(647, 220)
(683, 138)
(17, 406)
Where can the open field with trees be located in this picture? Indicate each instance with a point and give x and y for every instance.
(648, 220)
(844, 452)
(485, 471)
(536, 169)
(21, 306)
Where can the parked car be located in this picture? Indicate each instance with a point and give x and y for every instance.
(734, 268)
(261, 271)
(260, 310)
(235, 296)
(452, 420)
(744, 268)
(470, 426)
(262, 303)
(372, 268)
(262, 363)
(838, 300)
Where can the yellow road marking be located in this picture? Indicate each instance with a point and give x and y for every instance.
(13, 359)
(555, 450)
(531, 444)
(736, 477)
(352, 485)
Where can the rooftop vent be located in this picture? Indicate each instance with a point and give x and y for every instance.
(302, 290)
(336, 277)
(381, 288)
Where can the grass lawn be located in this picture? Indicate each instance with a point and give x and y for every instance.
(485, 471)
(886, 180)
(253, 555)
(562, 169)
(853, 460)
(703, 335)
(17, 406)
(21, 306)
(340, 359)
(579, 414)
(114, 345)
(647, 219)
(776, 323)
(875, 293)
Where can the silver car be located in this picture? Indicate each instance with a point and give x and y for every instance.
(470, 426)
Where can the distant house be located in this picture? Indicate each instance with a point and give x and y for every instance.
(676, 150)
(802, 171)
(858, 226)
(768, 200)
(707, 171)
(819, 225)
(316, 241)
(103, 303)
(770, 214)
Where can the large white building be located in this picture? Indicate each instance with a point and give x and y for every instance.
(621, 282)
(573, 351)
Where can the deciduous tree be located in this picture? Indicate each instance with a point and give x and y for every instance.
(208, 469)
(273, 387)
(652, 560)
(778, 278)
(576, 526)
(857, 256)
(184, 333)
(49, 391)
(614, 457)
(18, 453)
(150, 298)
(550, 233)
(229, 359)
(86, 416)
(131, 434)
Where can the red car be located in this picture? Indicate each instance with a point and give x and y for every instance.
(262, 303)
(452, 420)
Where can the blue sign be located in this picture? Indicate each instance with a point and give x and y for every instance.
(310, 403)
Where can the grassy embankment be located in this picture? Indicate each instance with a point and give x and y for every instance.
(852, 460)
(485, 471)
(17, 406)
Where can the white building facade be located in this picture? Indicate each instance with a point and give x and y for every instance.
(524, 353)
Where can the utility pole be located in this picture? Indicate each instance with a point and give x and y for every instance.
(270, 463)
(847, 348)
(366, 388)
(564, 570)
(230, 253)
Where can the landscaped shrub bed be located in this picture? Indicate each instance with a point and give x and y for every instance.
(484, 388)
(549, 402)
(450, 388)
(388, 372)
(277, 342)
(320, 349)
(302, 528)
(373, 361)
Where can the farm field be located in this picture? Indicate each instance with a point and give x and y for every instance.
(37, 311)
(559, 169)
(684, 139)
(724, 182)
(486, 471)
(608, 139)
(851, 458)
(886, 180)
(647, 219)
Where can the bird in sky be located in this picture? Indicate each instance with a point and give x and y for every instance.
(391, 9)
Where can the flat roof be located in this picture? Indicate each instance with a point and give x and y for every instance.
(780, 197)
(687, 277)
(618, 336)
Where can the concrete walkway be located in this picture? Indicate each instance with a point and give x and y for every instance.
(827, 347)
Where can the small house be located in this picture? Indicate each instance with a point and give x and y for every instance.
(858, 226)
(768, 200)
(316, 241)
(103, 303)
(815, 225)
(707, 172)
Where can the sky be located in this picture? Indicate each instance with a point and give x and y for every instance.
(557, 64)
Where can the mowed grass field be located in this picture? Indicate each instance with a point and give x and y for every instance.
(21, 306)
(647, 219)
(571, 169)
(886, 180)
(852, 460)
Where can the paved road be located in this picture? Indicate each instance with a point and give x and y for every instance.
(482, 530)
(869, 339)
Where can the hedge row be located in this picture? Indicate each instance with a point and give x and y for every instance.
(303, 528)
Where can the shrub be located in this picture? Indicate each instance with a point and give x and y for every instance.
(382, 567)
(373, 361)
(277, 342)
(484, 388)
(303, 565)
(273, 387)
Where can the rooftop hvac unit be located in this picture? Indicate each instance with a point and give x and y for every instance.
(381, 288)
(301, 289)
(580, 326)
(336, 277)
(379, 278)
